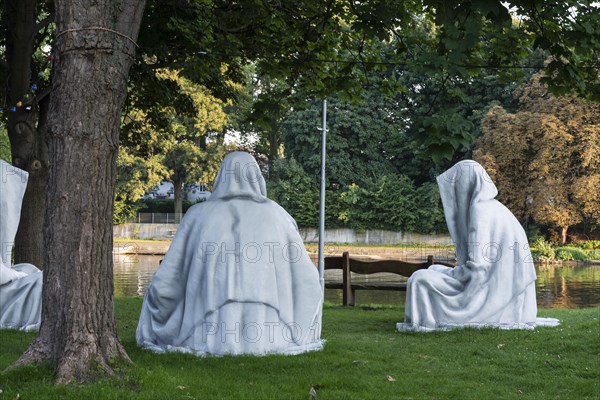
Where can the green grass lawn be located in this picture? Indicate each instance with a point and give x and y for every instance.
(364, 358)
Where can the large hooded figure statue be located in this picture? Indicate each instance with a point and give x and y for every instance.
(21, 285)
(236, 278)
(493, 284)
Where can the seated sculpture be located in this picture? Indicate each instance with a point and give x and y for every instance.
(236, 278)
(21, 284)
(493, 284)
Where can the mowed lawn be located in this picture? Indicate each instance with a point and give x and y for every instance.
(364, 358)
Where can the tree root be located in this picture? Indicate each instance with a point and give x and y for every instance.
(79, 363)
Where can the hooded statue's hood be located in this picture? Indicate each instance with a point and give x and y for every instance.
(239, 176)
(463, 185)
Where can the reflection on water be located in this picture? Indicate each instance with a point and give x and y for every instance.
(557, 286)
(568, 286)
(132, 273)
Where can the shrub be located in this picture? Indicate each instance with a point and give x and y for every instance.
(590, 245)
(125, 212)
(563, 255)
(571, 253)
(543, 250)
(594, 254)
(161, 206)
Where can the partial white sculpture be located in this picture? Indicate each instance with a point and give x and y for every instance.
(21, 285)
(493, 284)
(236, 278)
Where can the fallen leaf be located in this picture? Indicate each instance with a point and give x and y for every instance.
(391, 378)
(312, 393)
(181, 387)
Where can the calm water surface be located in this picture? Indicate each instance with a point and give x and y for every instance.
(573, 286)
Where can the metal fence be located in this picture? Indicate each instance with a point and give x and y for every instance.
(159, 218)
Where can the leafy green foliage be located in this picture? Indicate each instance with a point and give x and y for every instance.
(571, 253)
(181, 142)
(391, 202)
(445, 60)
(295, 192)
(160, 206)
(590, 244)
(4, 144)
(585, 251)
(542, 250)
(363, 140)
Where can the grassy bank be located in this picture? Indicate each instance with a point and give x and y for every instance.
(363, 358)
(541, 251)
(411, 250)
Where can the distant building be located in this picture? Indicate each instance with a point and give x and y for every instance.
(194, 192)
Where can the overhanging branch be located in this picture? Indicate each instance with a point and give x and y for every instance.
(43, 24)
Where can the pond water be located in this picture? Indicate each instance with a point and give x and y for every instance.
(572, 286)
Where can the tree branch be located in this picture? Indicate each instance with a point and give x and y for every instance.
(42, 94)
(43, 24)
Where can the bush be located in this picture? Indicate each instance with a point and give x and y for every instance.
(160, 206)
(389, 202)
(542, 250)
(594, 254)
(296, 192)
(590, 245)
(563, 255)
(571, 253)
(125, 212)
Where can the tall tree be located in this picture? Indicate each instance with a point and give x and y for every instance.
(185, 135)
(26, 24)
(364, 139)
(546, 157)
(93, 51)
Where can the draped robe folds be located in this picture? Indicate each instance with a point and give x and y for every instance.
(21, 284)
(493, 284)
(236, 278)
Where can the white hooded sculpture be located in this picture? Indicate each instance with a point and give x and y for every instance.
(493, 284)
(236, 278)
(21, 285)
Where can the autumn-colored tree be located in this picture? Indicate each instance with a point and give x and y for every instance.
(545, 159)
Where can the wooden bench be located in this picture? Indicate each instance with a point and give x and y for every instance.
(366, 267)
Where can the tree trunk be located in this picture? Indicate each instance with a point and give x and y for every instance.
(29, 242)
(178, 194)
(563, 234)
(26, 128)
(93, 52)
(274, 136)
(274, 140)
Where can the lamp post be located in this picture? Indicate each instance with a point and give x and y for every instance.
(321, 262)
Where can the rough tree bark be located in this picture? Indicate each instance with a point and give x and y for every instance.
(93, 52)
(26, 126)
